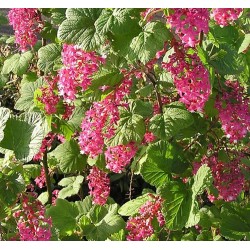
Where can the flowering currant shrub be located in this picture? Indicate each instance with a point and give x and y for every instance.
(125, 124)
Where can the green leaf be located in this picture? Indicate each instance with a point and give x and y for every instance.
(24, 135)
(31, 170)
(4, 116)
(203, 179)
(79, 28)
(43, 198)
(106, 221)
(17, 63)
(176, 207)
(131, 127)
(142, 108)
(245, 44)
(227, 61)
(76, 118)
(10, 186)
(132, 207)
(117, 21)
(29, 77)
(150, 40)
(71, 186)
(154, 169)
(108, 77)
(174, 118)
(3, 80)
(48, 56)
(235, 221)
(58, 16)
(26, 100)
(69, 157)
(85, 205)
(63, 216)
(228, 34)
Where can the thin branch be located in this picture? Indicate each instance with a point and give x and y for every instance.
(151, 77)
(130, 185)
(47, 177)
(201, 38)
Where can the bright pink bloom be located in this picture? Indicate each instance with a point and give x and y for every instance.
(188, 24)
(225, 16)
(99, 122)
(228, 177)
(46, 144)
(140, 227)
(99, 185)
(49, 96)
(32, 223)
(41, 179)
(79, 66)
(118, 157)
(234, 112)
(26, 23)
(191, 78)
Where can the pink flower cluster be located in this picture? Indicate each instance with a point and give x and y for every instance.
(46, 144)
(188, 23)
(78, 69)
(190, 77)
(118, 157)
(31, 221)
(234, 112)
(225, 16)
(102, 116)
(26, 23)
(100, 120)
(41, 179)
(99, 185)
(228, 178)
(49, 98)
(141, 227)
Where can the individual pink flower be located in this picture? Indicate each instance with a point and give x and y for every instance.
(225, 16)
(99, 185)
(118, 157)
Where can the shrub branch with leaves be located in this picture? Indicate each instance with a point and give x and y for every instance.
(126, 124)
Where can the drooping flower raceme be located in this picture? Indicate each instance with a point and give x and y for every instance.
(41, 179)
(79, 66)
(234, 112)
(46, 144)
(99, 185)
(49, 96)
(191, 78)
(31, 221)
(26, 23)
(141, 227)
(188, 23)
(118, 157)
(99, 122)
(225, 16)
(228, 177)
